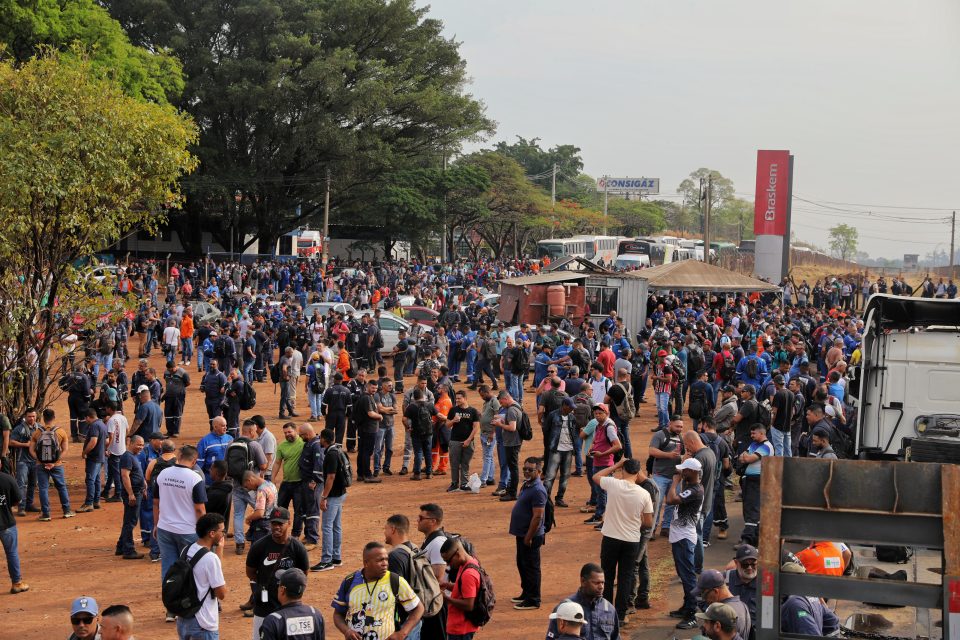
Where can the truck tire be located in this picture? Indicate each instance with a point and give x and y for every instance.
(944, 450)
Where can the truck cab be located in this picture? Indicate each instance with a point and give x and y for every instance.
(907, 385)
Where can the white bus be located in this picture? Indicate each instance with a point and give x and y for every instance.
(594, 248)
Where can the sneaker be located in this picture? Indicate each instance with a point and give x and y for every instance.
(577, 474)
(526, 606)
(249, 614)
(114, 498)
(322, 566)
(19, 587)
(133, 556)
(87, 508)
(387, 472)
(706, 545)
(154, 557)
(21, 512)
(33, 510)
(465, 488)
(689, 623)
(416, 476)
(68, 514)
(588, 509)
(248, 605)
(560, 503)
(170, 617)
(500, 492)
(722, 534)
(641, 604)
(96, 505)
(440, 472)
(491, 482)
(403, 471)
(44, 517)
(679, 613)
(336, 562)
(453, 488)
(239, 549)
(517, 599)
(592, 520)
(373, 480)
(310, 546)
(508, 498)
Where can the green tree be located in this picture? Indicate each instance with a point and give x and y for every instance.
(81, 164)
(538, 162)
(284, 90)
(722, 191)
(635, 217)
(843, 241)
(733, 220)
(27, 27)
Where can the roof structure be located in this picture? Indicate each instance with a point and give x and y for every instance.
(693, 275)
(547, 278)
(571, 263)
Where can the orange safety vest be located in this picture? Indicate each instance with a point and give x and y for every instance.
(823, 558)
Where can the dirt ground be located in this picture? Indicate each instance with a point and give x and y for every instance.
(64, 559)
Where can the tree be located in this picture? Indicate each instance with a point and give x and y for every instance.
(843, 241)
(635, 217)
(722, 190)
(81, 164)
(733, 220)
(537, 162)
(27, 27)
(284, 90)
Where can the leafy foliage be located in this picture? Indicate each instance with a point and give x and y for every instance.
(843, 241)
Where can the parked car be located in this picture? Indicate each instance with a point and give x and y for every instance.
(204, 312)
(390, 325)
(511, 332)
(405, 301)
(424, 315)
(324, 308)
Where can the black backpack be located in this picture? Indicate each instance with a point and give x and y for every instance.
(695, 360)
(275, 374)
(424, 421)
(549, 516)
(239, 459)
(763, 413)
(485, 600)
(521, 361)
(524, 429)
(752, 368)
(346, 471)
(698, 404)
(729, 369)
(248, 396)
(220, 347)
(179, 592)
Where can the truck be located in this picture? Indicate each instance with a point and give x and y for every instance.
(906, 387)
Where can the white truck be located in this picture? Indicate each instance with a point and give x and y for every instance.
(907, 385)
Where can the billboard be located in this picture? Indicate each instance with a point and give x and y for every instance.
(629, 185)
(911, 261)
(771, 214)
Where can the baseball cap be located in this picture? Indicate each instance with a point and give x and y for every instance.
(279, 514)
(778, 379)
(690, 463)
(602, 407)
(568, 402)
(293, 580)
(746, 552)
(569, 611)
(719, 612)
(792, 567)
(213, 333)
(709, 579)
(143, 388)
(661, 354)
(84, 604)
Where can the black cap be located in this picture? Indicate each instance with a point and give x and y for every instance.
(279, 514)
(293, 580)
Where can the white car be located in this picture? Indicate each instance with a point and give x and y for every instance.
(390, 325)
(405, 301)
(324, 308)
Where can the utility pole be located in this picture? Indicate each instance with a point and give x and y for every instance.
(953, 233)
(553, 189)
(326, 221)
(605, 205)
(443, 238)
(706, 220)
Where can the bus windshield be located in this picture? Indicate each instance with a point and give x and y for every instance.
(551, 249)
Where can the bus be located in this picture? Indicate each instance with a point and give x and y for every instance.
(598, 249)
(655, 251)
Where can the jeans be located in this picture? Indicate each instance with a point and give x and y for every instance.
(619, 559)
(381, 458)
(460, 457)
(528, 565)
(663, 409)
(113, 475)
(698, 548)
(487, 444)
(93, 482)
(186, 348)
(781, 442)
(290, 492)
(190, 629)
(332, 530)
(104, 363)
(248, 371)
(9, 539)
(588, 470)
(623, 430)
(315, 402)
(59, 481)
(663, 484)
(514, 384)
(683, 561)
(513, 462)
(578, 454)
(130, 518)
(240, 501)
(421, 452)
(559, 462)
(601, 494)
(484, 367)
(171, 546)
(641, 575)
(26, 480)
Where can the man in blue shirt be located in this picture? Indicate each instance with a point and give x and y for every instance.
(752, 369)
(805, 615)
(213, 446)
(94, 454)
(526, 525)
(600, 620)
(759, 448)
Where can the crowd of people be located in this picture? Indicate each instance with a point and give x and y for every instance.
(732, 380)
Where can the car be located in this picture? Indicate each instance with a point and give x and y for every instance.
(390, 325)
(324, 308)
(405, 301)
(491, 299)
(204, 312)
(424, 315)
(511, 332)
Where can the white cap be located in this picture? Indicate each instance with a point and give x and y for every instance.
(143, 388)
(569, 611)
(690, 463)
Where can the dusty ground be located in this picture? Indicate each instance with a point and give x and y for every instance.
(63, 559)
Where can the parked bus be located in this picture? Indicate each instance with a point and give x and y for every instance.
(599, 249)
(656, 252)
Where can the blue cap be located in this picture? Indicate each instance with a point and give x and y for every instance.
(84, 604)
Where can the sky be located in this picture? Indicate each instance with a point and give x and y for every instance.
(864, 93)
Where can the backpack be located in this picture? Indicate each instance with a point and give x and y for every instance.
(239, 459)
(729, 368)
(423, 424)
(679, 375)
(524, 429)
(179, 592)
(275, 374)
(48, 446)
(248, 397)
(582, 411)
(698, 404)
(346, 471)
(317, 381)
(107, 343)
(752, 368)
(899, 555)
(763, 413)
(521, 361)
(489, 350)
(378, 339)
(626, 409)
(485, 600)
(549, 516)
(424, 582)
(695, 359)
(220, 347)
(715, 447)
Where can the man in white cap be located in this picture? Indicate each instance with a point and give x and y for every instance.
(85, 619)
(686, 496)
(569, 618)
(148, 416)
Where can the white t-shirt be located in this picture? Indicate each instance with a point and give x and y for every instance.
(179, 489)
(117, 426)
(565, 443)
(626, 502)
(268, 442)
(171, 336)
(208, 574)
(433, 550)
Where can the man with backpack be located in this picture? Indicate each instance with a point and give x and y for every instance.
(527, 526)
(662, 379)
(213, 446)
(509, 420)
(619, 398)
(418, 421)
(467, 607)
(48, 446)
(336, 402)
(9, 496)
(752, 369)
(242, 455)
(174, 397)
(24, 462)
(232, 396)
(224, 351)
(412, 564)
(337, 476)
(724, 366)
(198, 580)
(132, 492)
(702, 399)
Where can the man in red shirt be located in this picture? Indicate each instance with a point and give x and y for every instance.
(607, 359)
(461, 594)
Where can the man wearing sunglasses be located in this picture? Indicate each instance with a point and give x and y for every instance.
(742, 580)
(85, 619)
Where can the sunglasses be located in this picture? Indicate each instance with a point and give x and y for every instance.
(81, 620)
(748, 564)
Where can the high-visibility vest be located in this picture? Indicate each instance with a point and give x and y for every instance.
(823, 558)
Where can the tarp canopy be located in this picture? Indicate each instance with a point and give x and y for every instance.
(693, 275)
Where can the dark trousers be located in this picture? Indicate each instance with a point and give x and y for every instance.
(683, 561)
(173, 413)
(483, 367)
(641, 575)
(365, 456)
(113, 476)
(422, 452)
(618, 559)
(751, 508)
(528, 565)
(351, 435)
(513, 463)
(623, 430)
(435, 628)
(213, 410)
(130, 518)
(290, 492)
(78, 407)
(719, 519)
(310, 503)
(338, 422)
